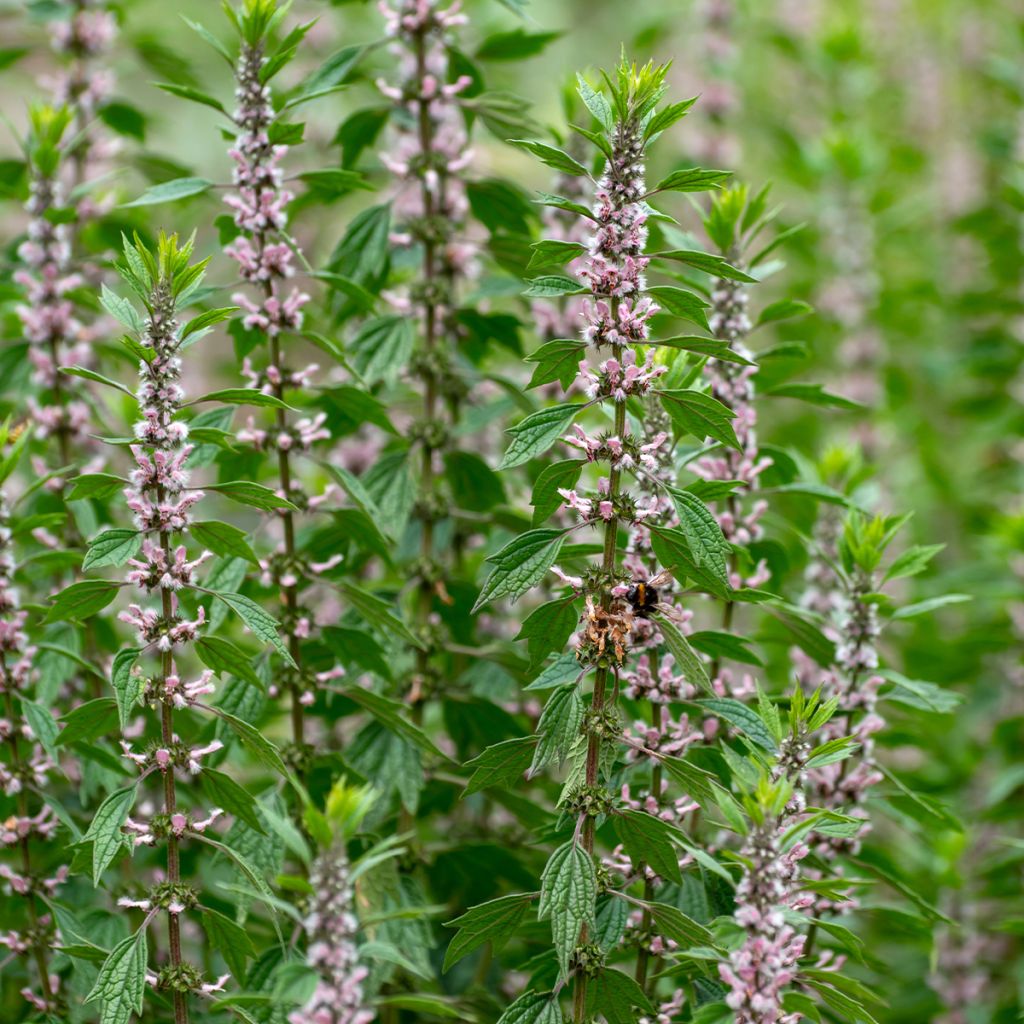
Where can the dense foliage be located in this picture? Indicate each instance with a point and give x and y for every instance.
(510, 513)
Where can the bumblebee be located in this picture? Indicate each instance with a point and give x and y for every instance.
(643, 594)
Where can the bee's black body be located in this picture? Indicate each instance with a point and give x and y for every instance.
(644, 599)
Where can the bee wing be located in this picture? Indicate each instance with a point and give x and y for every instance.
(661, 579)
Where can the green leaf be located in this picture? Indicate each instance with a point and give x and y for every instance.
(112, 547)
(231, 940)
(688, 662)
(696, 782)
(87, 721)
(667, 116)
(553, 286)
(553, 252)
(334, 181)
(556, 360)
(259, 621)
(494, 922)
(808, 637)
(912, 561)
(910, 611)
(515, 45)
(122, 311)
(105, 832)
(558, 728)
(226, 659)
(552, 157)
(207, 319)
(223, 539)
(711, 347)
(377, 612)
(520, 565)
(242, 396)
(44, 727)
(382, 347)
(245, 492)
(784, 309)
(390, 713)
(545, 498)
(333, 72)
(616, 996)
(674, 924)
(224, 792)
(501, 764)
(596, 103)
(97, 378)
(815, 394)
(718, 644)
(918, 694)
(561, 203)
(169, 191)
(95, 485)
(259, 746)
(128, 686)
(716, 266)
(680, 303)
(691, 179)
(699, 414)
(537, 433)
(476, 486)
(568, 894)
(82, 600)
(743, 717)
(121, 982)
(646, 839)
(547, 628)
(672, 549)
(195, 95)
(533, 1007)
(707, 543)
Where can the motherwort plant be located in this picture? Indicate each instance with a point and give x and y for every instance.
(585, 728)
(169, 620)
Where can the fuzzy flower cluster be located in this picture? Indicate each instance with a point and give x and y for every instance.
(47, 316)
(263, 256)
(331, 927)
(430, 149)
(83, 37)
(733, 386)
(26, 770)
(760, 969)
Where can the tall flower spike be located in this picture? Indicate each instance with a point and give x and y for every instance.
(162, 502)
(429, 154)
(264, 253)
(331, 924)
(621, 591)
(24, 774)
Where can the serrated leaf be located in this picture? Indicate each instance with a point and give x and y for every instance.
(224, 792)
(707, 543)
(495, 922)
(552, 157)
(95, 485)
(224, 539)
(784, 309)
(170, 191)
(105, 832)
(112, 547)
(701, 415)
(82, 600)
(646, 839)
(245, 492)
(743, 717)
(43, 725)
(231, 940)
(687, 661)
(617, 997)
(537, 433)
(568, 894)
(556, 360)
(242, 396)
(226, 659)
(545, 498)
(259, 621)
(558, 728)
(121, 982)
(520, 564)
(501, 764)
(553, 252)
(691, 179)
(377, 612)
(553, 286)
(127, 686)
(533, 1007)
(547, 628)
(259, 746)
